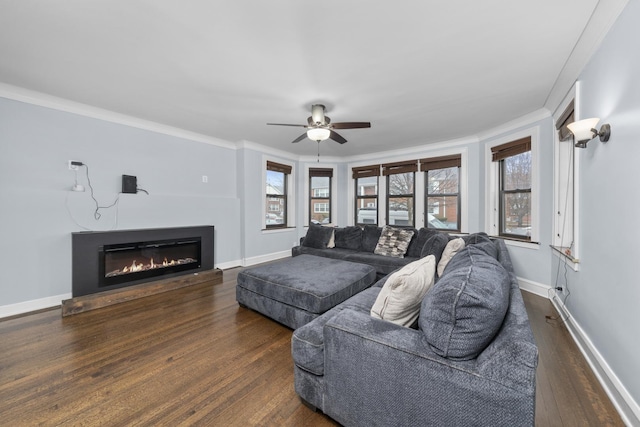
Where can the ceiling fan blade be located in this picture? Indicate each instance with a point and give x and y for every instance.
(300, 138)
(286, 124)
(337, 138)
(351, 125)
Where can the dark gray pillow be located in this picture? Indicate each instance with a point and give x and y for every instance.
(349, 238)
(317, 236)
(475, 238)
(419, 239)
(435, 246)
(465, 309)
(370, 237)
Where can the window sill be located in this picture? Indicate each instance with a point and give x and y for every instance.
(562, 252)
(518, 243)
(277, 230)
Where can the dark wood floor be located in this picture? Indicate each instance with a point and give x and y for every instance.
(193, 357)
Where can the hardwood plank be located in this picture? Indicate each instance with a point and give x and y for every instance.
(191, 356)
(115, 296)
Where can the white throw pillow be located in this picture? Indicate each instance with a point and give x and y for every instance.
(332, 240)
(453, 247)
(400, 298)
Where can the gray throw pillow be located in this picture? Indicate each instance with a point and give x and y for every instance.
(370, 237)
(464, 310)
(393, 241)
(349, 238)
(435, 246)
(418, 241)
(317, 236)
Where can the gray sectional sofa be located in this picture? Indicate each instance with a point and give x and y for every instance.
(357, 244)
(470, 360)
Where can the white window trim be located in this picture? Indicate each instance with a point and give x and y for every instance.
(558, 193)
(291, 202)
(334, 191)
(492, 193)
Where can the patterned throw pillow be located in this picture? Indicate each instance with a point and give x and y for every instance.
(393, 242)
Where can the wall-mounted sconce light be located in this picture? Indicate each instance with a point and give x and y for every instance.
(585, 130)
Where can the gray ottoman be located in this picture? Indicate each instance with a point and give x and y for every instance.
(297, 290)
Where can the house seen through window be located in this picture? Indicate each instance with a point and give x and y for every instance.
(400, 192)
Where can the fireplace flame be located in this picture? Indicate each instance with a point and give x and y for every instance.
(151, 265)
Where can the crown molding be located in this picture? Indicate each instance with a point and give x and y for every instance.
(526, 120)
(49, 101)
(250, 145)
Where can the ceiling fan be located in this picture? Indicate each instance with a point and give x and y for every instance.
(319, 126)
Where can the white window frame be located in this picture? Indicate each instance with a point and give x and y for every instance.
(317, 206)
(492, 194)
(566, 188)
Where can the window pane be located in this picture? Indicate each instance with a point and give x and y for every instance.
(443, 181)
(517, 172)
(517, 214)
(320, 211)
(401, 183)
(400, 210)
(442, 212)
(274, 211)
(367, 186)
(320, 186)
(275, 182)
(367, 211)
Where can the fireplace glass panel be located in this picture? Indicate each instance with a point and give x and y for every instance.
(133, 261)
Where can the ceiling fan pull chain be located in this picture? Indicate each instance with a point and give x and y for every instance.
(318, 151)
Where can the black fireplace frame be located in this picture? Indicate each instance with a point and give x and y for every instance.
(87, 245)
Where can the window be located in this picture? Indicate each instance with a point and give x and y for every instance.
(276, 195)
(366, 181)
(565, 236)
(515, 182)
(400, 192)
(320, 195)
(442, 192)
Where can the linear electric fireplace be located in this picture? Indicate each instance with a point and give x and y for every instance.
(115, 259)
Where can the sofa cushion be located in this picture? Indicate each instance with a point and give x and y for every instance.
(476, 238)
(383, 264)
(349, 238)
(419, 239)
(307, 342)
(453, 247)
(400, 298)
(370, 237)
(435, 245)
(317, 236)
(465, 309)
(393, 241)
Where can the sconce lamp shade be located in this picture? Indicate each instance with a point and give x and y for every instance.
(318, 134)
(585, 130)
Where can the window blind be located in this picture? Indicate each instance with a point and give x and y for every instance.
(510, 149)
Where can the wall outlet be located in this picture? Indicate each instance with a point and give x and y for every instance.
(74, 165)
(205, 178)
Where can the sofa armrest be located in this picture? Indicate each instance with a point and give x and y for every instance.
(379, 373)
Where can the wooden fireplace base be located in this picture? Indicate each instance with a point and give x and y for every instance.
(115, 296)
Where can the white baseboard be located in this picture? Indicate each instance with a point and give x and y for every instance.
(33, 305)
(229, 264)
(534, 287)
(628, 408)
(246, 262)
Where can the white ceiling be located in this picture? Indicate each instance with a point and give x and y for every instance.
(419, 71)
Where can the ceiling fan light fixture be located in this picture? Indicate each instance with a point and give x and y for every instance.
(318, 134)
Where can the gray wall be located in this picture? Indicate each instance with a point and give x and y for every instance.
(39, 213)
(605, 293)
